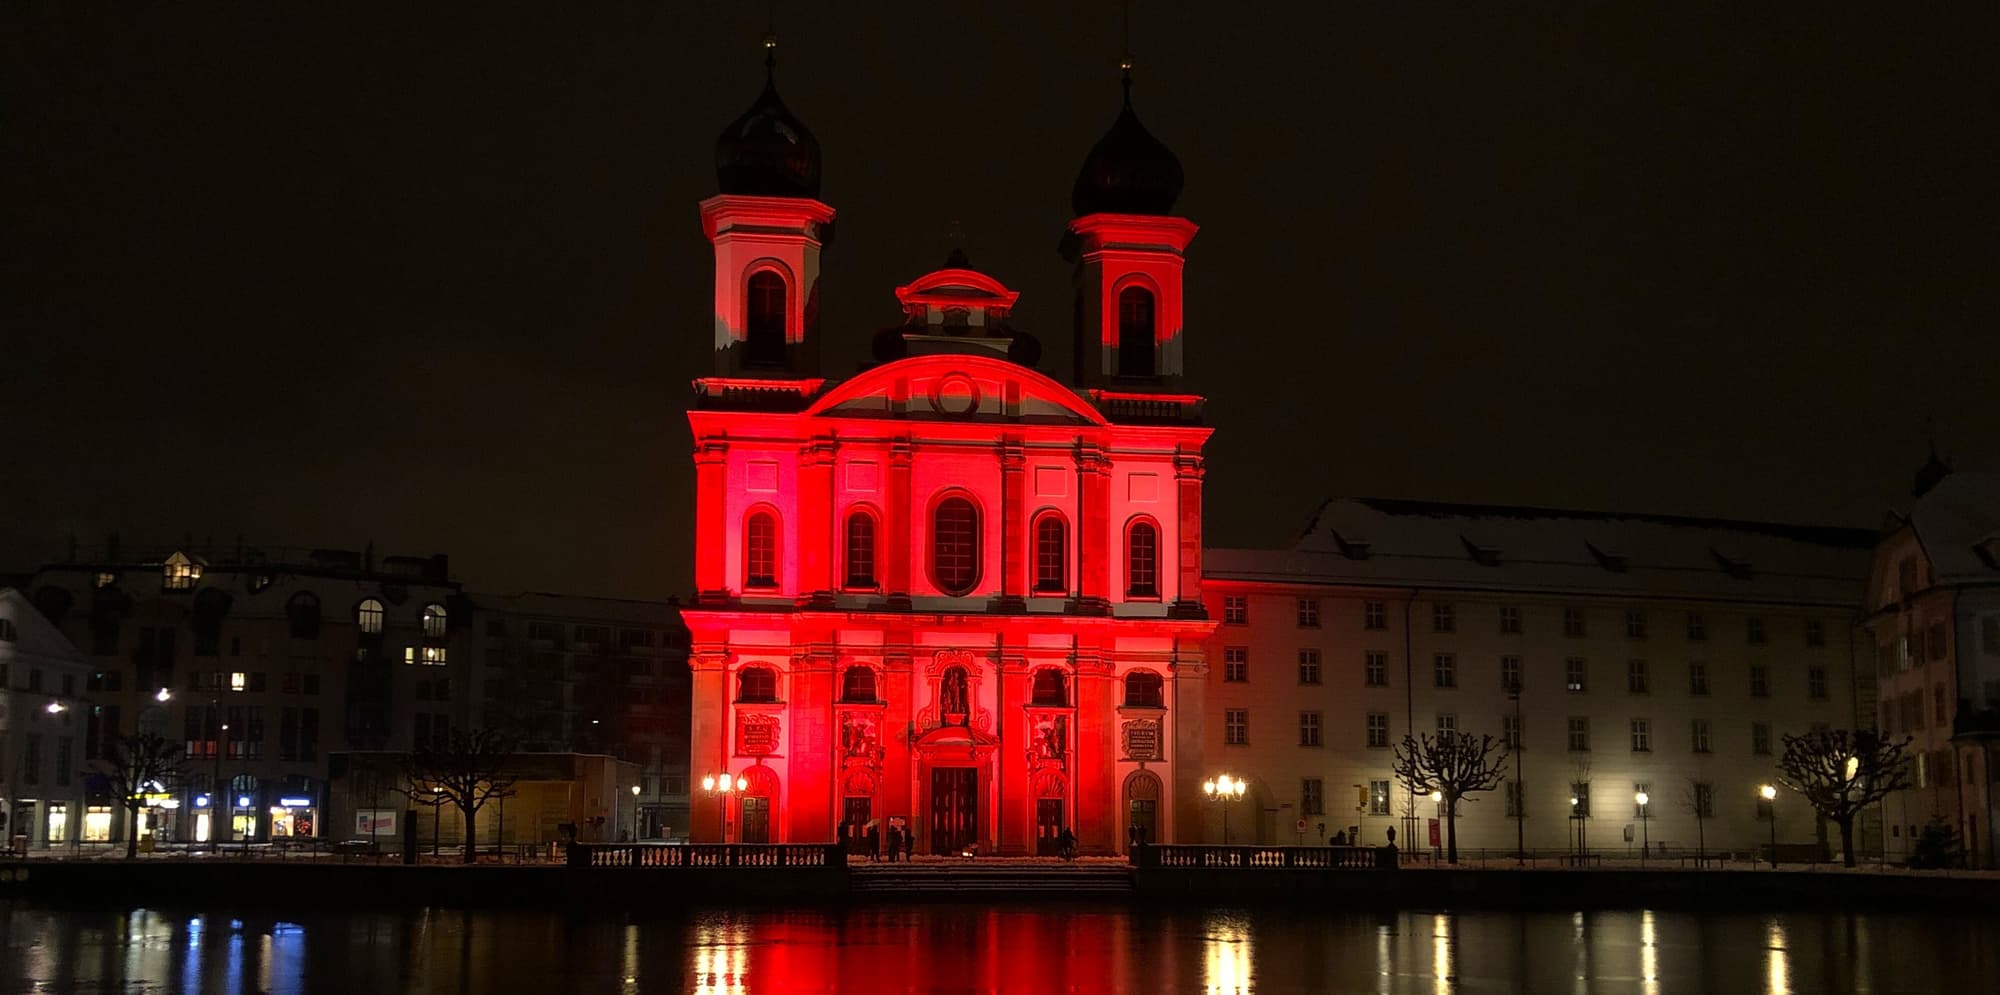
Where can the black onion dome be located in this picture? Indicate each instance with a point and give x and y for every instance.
(1128, 171)
(768, 152)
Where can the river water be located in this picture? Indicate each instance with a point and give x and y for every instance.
(999, 949)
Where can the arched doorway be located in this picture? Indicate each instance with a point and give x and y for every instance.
(1142, 808)
(759, 805)
(1049, 796)
(857, 810)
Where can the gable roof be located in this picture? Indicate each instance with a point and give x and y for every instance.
(1397, 543)
(33, 634)
(1958, 523)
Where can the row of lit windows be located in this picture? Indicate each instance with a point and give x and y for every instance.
(1236, 732)
(1575, 621)
(1576, 673)
(1050, 688)
(954, 553)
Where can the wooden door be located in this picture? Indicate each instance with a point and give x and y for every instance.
(954, 809)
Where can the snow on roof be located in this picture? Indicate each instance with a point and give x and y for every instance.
(1958, 522)
(1395, 543)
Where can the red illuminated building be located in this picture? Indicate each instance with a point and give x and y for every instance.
(948, 590)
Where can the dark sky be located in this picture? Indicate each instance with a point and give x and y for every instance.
(439, 281)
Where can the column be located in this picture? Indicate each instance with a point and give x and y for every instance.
(1016, 808)
(1096, 543)
(897, 545)
(1096, 737)
(708, 744)
(711, 526)
(809, 794)
(1013, 526)
(816, 528)
(1182, 822)
(1187, 479)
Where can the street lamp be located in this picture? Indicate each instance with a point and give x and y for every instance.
(1645, 839)
(163, 696)
(635, 813)
(1577, 839)
(1224, 788)
(723, 784)
(57, 708)
(1770, 796)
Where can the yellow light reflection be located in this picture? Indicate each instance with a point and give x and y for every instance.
(1384, 960)
(631, 958)
(1441, 952)
(1649, 955)
(1780, 966)
(1226, 956)
(720, 956)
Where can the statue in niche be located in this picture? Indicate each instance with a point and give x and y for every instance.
(953, 696)
(1051, 738)
(857, 738)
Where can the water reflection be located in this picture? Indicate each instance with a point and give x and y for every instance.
(1013, 949)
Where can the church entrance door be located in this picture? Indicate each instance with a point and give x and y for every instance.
(954, 808)
(1048, 827)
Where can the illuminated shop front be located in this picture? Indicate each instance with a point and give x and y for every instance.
(97, 822)
(948, 591)
(293, 817)
(58, 823)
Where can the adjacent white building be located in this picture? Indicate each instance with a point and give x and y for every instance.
(1933, 618)
(1625, 653)
(42, 677)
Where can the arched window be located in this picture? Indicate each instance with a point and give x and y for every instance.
(1143, 690)
(764, 319)
(302, 615)
(1051, 555)
(955, 546)
(757, 684)
(760, 551)
(857, 684)
(434, 620)
(860, 550)
(1142, 561)
(1136, 338)
(1049, 688)
(368, 615)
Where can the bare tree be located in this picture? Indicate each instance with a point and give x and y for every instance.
(1698, 800)
(1454, 765)
(468, 771)
(137, 766)
(1840, 772)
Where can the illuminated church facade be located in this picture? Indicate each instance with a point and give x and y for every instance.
(947, 593)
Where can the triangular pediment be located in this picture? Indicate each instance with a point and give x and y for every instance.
(966, 388)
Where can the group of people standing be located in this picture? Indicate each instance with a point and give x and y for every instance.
(900, 840)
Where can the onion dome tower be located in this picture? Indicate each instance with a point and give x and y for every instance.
(768, 226)
(1127, 247)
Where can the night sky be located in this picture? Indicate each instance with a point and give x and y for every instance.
(439, 281)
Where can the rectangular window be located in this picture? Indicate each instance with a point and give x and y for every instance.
(1815, 682)
(1308, 728)
(1760, 681)
(1447, 725)
(1373, 615)
(1637, 681)
(1576, 674)
(1704, 800)
(1444, 670)
(1309, 667)
(1573, 625)
(1312, 796)
(1510, 620)
(1235, 609)
(1444, 617)
(1642, 736)
(1378, 730)
(1701, 735)
(1375, 669)
(1635, 623)
(1815, 632)
(1236, 664)
(1378, 798)
(64, 745)
(239, 681)
(1510, 731)
(1937, 693)
(1510, 674)
(1236, 726)
(1760, 738)
(434, 656)
(1937, 644)
(1516, 805)
(1308, 613)
(1579, 798)
(861, 554)
(1579, 734)
(1697, 677)
(1753, 630)
(1697, 627)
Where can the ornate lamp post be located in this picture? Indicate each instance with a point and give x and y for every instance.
(723, 784)
(1645, 841)
(1770, 796)
(635, 813)
(1224, 788)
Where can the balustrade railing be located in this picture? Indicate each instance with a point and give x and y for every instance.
(705, 855)
(1202, 855)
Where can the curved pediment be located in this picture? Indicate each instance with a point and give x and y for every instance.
(956, 388)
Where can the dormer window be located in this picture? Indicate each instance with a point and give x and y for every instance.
(764, 319)
(1739, 569)
(180, 573)
(1353, 549)
(1485, 556)
(1136, 337)
(1614, 562)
